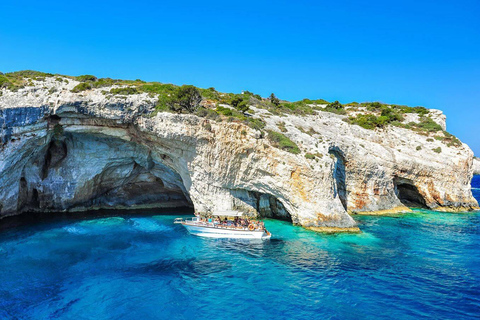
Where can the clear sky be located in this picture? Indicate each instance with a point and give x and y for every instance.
(413, 52)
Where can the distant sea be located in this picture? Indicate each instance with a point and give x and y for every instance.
(141, 266)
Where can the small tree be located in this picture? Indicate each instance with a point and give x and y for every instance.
(274, 100)
(239, 103)
(236, 100)
(243, 107)
(186, 98)
(335, 105)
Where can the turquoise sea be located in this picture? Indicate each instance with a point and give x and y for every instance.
(141, 266)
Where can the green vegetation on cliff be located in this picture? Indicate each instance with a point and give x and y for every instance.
(282, 142)
(217, 106)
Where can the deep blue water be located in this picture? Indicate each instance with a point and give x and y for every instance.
(424, 264)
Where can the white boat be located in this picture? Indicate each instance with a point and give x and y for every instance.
(211, 229)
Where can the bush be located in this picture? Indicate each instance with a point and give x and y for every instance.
(104, 82)
(239, 103)
(225, 111)
(251, 94)
(367, 121)
(207, 113)
(4, 82)
(335, 107)
(82, 87)
(210, 93)
(309, 156)
(124, 90)
(274, 100)
(29, 74)
(419, 148)
(86, 77)
(427, 124)
(282, 142)
(256, 124)
(187, 98)
(159, 88)
(437, 150)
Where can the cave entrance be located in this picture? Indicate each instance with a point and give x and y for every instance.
(339, 176)
(92, 171)
(266, 205)
(408, 193)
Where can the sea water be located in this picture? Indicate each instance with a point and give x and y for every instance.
(423, 264)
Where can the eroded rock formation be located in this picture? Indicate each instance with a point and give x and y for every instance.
(64, 151)
(476, 166)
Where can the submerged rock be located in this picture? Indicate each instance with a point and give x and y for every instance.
(65, 151)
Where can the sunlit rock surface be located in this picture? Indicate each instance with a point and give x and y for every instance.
(80, 151)
(476, 166)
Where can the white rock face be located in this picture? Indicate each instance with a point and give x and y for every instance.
(69, 152)
(476, 166)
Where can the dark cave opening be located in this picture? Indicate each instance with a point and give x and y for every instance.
(339, 175)
(408, 193)
(266, 205)
(115, 181)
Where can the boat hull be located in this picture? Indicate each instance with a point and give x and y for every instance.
(214, 232)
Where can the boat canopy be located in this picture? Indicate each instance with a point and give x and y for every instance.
(227, 213)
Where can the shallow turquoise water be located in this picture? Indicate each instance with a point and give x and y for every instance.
(424, 264)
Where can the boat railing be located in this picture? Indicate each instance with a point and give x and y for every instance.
(200, 223)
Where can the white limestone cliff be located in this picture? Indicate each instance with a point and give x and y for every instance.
(65, 151)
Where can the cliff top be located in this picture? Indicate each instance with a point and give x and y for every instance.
(39, 88)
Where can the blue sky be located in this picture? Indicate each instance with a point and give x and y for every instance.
(405, 52)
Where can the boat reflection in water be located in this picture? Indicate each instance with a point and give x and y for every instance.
(225, 224)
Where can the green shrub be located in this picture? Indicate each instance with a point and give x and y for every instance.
(274, 100)
(367, 121)
(187, 98)
(251, 94)
(207, 113)
(212, 115)
(124, 90)
(104, 82)
(240, 103)
(159, 88)
(419, 148)
(282, 142)
(29, 74)
(210, 94)
(225, 111)
(256, 124)
(437, 150)
(428, 125)
(335, 107)
(82, 87)
(86, 77)
(309, 156)
(4, 82)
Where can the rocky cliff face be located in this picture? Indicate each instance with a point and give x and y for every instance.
(80, 151)
(476, 166)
